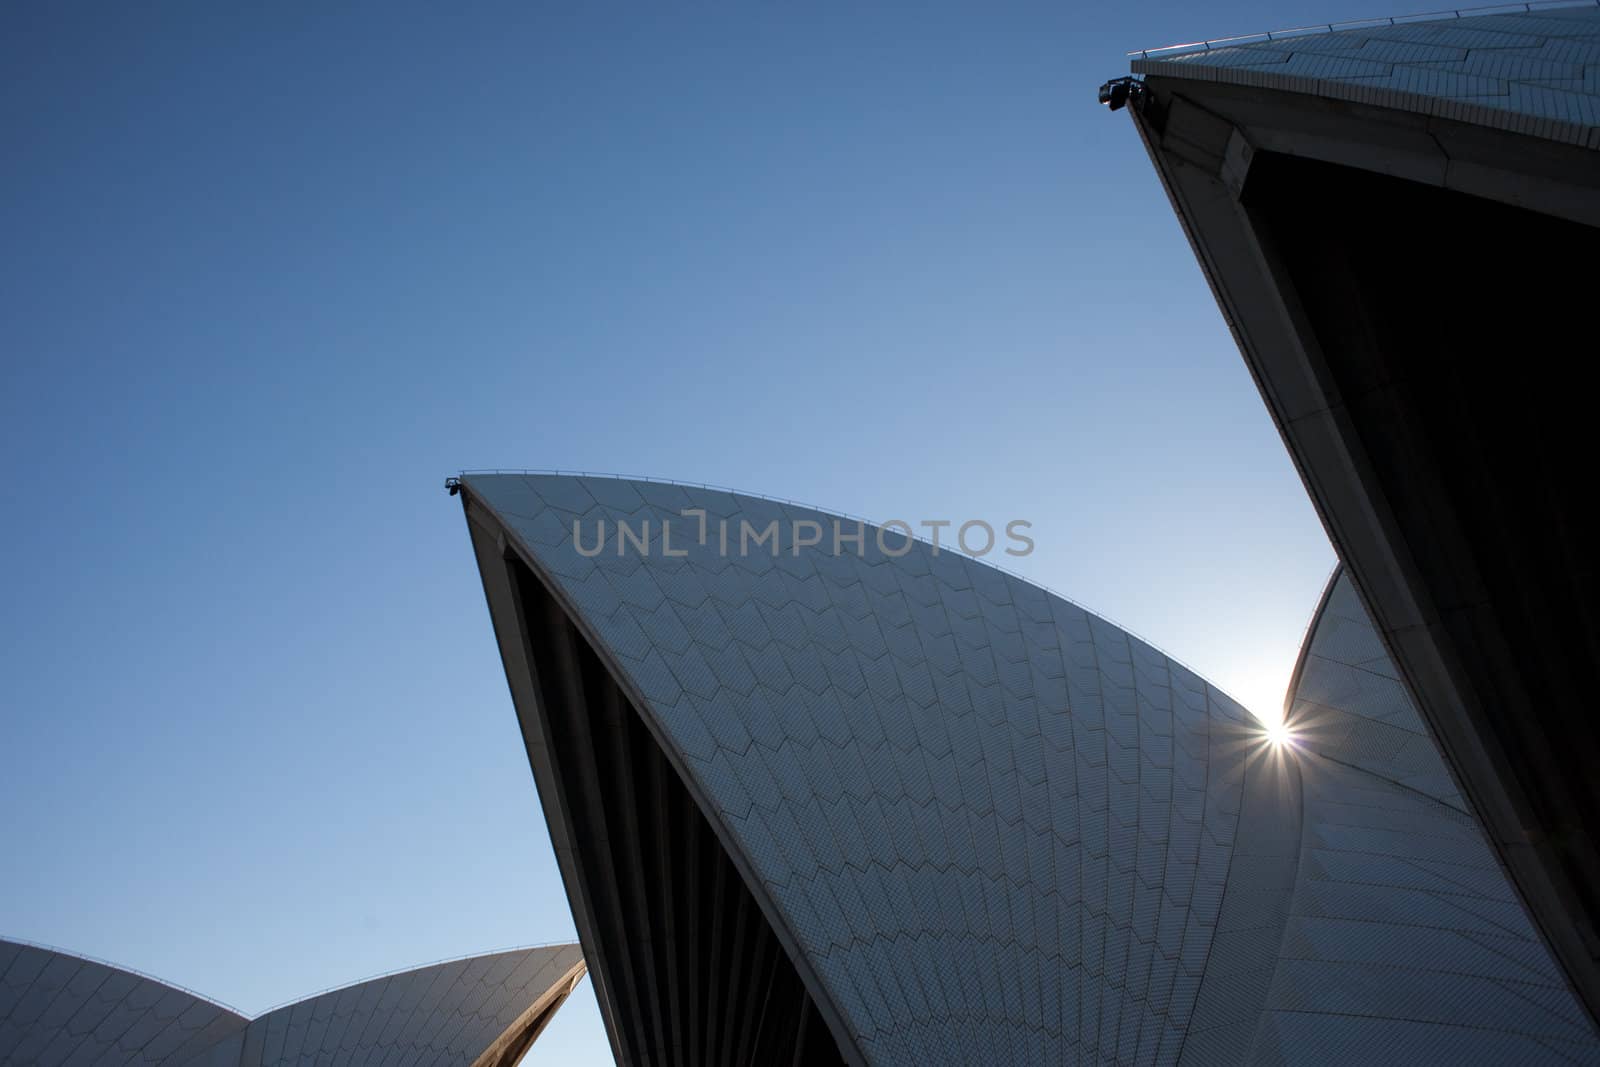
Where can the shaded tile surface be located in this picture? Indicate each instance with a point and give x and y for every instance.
(57, 1009)
(1535, 72)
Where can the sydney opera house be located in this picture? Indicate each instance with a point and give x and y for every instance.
(853, 799)
(62, 1010)
(1400, 221)
(822, 793)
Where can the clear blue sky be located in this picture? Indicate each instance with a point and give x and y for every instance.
(270, 273)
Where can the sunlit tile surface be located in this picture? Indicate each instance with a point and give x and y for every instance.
(1000, 829)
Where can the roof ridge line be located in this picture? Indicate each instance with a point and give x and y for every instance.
(146, 975)
(954, 550)
(1314, 29)
(341, 986)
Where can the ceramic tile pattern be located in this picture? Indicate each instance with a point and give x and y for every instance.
(1004, 831)
(995, 823)
(60, 1010)
(1404, 939)
(444, 1014)
(1535, 72)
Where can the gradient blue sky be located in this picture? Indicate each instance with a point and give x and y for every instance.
(271, 273)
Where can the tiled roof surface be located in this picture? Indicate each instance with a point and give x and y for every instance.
(1535, 72)
(1404, 942)
(1003, 831)
(1350, 704)
(446, 1014)
(997, 825)
(60, 1010)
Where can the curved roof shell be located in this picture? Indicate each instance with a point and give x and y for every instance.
(1363, 200)
(1402, 939)
(976, 816)
(980, 823)
(1535, 72)
(484, 1011)
(57, 1008)
(480, 1011)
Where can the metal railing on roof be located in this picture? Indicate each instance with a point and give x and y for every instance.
(1167, 51)
(954, 549)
